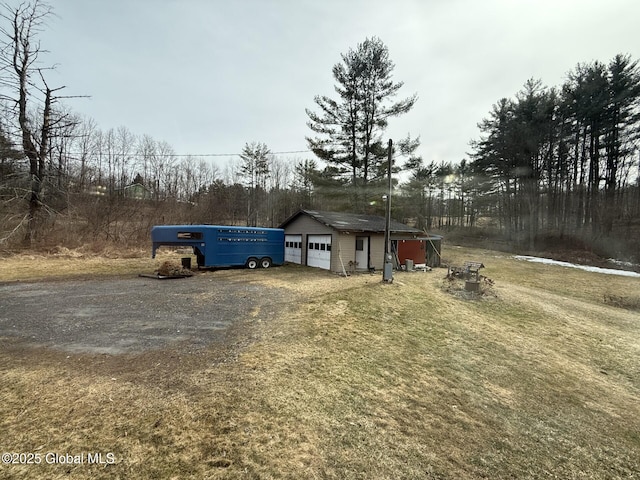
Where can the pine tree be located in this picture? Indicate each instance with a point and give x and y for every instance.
(350, 128)
(255, 168)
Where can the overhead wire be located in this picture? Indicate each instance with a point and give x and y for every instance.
(156, 155)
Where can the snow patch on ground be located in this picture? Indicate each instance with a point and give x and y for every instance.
(621, 263)
(607, 271)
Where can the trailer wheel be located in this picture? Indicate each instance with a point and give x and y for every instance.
(265, 262)
(252, 263)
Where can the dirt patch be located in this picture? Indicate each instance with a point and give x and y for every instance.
(456, 287)
(132, 315)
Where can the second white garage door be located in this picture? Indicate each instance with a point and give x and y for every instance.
(319, 251)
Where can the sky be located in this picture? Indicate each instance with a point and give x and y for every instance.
(209, 76)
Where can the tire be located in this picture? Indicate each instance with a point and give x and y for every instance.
(252, 263)
(265, 262)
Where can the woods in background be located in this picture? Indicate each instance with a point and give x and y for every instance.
(551, 161)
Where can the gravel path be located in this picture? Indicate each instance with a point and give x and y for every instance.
(130, 315)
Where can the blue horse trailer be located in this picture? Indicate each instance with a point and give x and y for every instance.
(224, 246)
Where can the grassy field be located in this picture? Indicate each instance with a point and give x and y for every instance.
(537, 379)
(65, 263)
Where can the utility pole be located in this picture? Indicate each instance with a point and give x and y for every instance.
(387, 272)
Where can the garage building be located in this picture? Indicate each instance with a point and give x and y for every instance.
(338, 240)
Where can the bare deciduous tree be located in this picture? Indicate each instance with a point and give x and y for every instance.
(19, 54)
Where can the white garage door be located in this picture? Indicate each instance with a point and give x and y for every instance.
(319, 251)
(293, 248)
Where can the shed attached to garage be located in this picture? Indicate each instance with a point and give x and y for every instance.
(339, 241)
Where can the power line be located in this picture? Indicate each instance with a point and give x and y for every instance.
(225, 154)
(136, 154)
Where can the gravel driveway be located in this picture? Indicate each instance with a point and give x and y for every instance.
(130, 315)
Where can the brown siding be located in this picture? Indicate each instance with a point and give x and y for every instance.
(376, 250)
(345, 249)
(343, 244)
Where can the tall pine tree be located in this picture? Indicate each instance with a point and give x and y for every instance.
(255, 169)
(349, 129)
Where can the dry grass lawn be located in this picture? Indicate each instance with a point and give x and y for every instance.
(65, 263)
(359, 380)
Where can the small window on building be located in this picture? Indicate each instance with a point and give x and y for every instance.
(359, 244)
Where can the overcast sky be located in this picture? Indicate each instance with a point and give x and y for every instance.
(208, 76)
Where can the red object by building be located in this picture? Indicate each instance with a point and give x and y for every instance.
(413, 250)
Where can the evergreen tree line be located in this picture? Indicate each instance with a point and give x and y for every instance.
(561, 161)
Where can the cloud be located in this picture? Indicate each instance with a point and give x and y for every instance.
(209, 76)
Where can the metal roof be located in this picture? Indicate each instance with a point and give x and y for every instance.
(353, 222)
